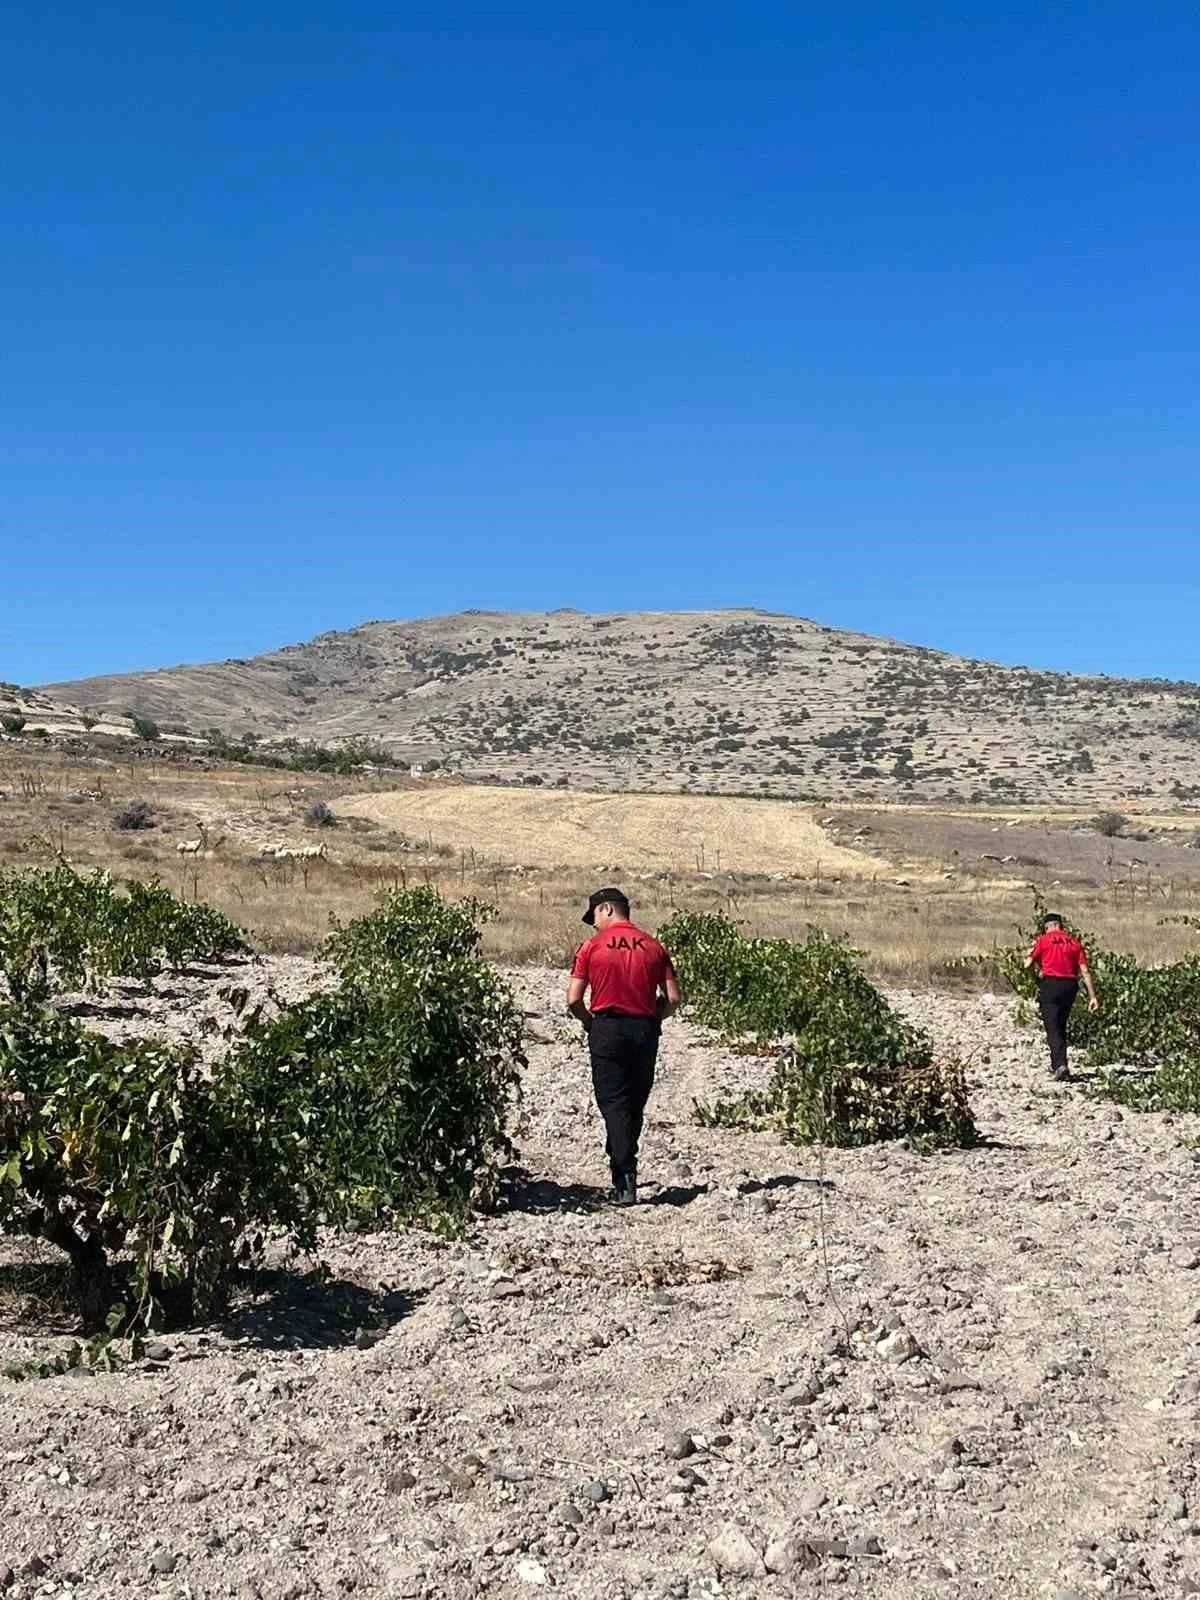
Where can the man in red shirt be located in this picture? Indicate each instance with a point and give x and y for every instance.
(1060, 961)
(633, 991)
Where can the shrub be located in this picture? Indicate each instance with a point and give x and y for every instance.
(146, 728)
(1145, 1041)
(58, 926)
(388, 1095)
(12, 723)
(320, 815)
(849, 1069)
(1110, 823)
(135, 1149)
(135, 817)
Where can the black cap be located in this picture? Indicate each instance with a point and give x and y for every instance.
(609, 896)
(1053, 916)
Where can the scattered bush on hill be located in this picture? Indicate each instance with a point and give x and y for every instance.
(849, 1069)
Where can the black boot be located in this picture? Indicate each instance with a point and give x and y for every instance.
(625, 1189)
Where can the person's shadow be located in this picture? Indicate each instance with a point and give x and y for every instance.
(543, 1196)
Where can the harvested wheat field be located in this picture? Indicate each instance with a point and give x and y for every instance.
(669, 832)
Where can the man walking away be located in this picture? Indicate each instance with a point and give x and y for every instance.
(1060, 961)
(633, 990)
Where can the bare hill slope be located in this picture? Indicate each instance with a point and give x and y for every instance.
(725, 701)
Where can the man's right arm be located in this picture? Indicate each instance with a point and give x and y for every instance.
(670, 997)
(576, 1004)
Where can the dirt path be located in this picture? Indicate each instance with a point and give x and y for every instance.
(517, 1426)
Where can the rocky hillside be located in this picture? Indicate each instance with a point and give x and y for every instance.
(731, 701)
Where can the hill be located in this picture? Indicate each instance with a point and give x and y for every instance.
(719, 701)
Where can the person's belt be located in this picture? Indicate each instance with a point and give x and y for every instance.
(637, 1016)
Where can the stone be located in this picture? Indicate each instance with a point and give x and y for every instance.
(1185, 1258)
(787, 1554)
(598, 1491)
(459, 1318)
(812, 1500)
(570, 1515)
(899, 1345)
(7, 1577)
(605, 1527)
(949, 1482)
(533, 1382)
(1176, 1508)
(398, 1482)
(734, 1553)
(532, 1572)
(155, 1350)
(164, 1563)
(680, 1446)
(505, 1289)
(801, 1394)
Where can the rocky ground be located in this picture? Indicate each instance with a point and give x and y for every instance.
(869, 1373)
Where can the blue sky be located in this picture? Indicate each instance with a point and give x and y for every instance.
(884, 315)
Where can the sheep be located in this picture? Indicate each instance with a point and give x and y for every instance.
(190, 847)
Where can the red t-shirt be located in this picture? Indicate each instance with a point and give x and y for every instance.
(625, 967)
(1059, 954)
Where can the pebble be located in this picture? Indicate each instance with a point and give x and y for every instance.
(680, 1446)
(812, 1500)
(570, 1515)
(606, 1527)
(157, 1351)
(598, 1491)
(397, 1482)
(532, 1572)
(1176, 1508)
(1186, 1259)
(164, 1563)
(7, 1577)
(949, 1482)
(505, 1289)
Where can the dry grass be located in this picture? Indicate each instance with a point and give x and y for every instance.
(49, 804)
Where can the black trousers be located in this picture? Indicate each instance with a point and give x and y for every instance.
(624, 1051)
(1056, 996)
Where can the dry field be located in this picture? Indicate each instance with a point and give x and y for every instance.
(911, 888)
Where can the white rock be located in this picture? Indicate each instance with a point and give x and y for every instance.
(733, 1552)
(900, 1345)
(533, 1572)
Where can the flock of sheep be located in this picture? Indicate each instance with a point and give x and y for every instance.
(276, 852)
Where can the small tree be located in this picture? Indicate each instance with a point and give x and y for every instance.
(12, 723)
(135, 817)
(146, 729)
(320, 815)
(1110, 823)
